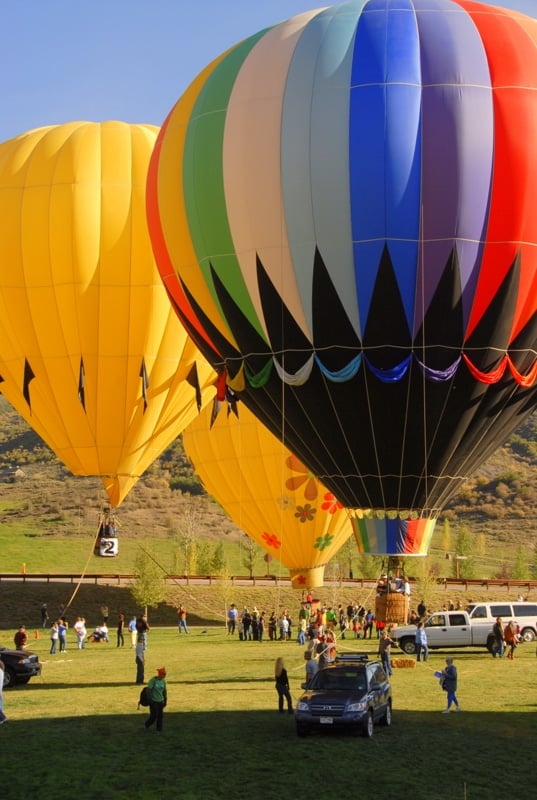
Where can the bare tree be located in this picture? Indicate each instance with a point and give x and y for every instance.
(185, 538)
(250, 554)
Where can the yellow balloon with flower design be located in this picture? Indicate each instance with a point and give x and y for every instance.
(268, 492)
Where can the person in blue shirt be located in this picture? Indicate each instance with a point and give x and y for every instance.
(133, 632)
(232, 615)
(449, 684)
(422, 647)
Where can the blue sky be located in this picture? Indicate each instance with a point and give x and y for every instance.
(130, 60)
(66, 60)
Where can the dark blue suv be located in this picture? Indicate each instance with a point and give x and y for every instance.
(350, 694)
(20, 666)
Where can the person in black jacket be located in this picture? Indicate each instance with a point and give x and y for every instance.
(282, 686)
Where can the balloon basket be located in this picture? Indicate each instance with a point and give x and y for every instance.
(392, 608)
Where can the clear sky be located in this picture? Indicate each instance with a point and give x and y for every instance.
(129, 60)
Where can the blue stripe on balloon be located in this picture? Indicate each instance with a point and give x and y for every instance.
(385, 147)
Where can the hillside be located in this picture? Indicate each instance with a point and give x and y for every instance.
(37, 492)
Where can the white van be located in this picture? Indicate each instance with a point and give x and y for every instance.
(522, 613)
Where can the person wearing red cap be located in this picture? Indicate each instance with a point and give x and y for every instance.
(159, 698)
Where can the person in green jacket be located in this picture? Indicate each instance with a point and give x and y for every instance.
(159, 698)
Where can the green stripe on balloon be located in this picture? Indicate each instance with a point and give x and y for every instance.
(205, 200)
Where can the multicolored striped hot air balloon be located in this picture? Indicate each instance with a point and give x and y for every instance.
(343, 209)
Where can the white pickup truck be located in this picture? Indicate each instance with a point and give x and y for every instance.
(447, 629)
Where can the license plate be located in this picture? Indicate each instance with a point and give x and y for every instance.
(326, 720)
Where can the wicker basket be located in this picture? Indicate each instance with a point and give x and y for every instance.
(392, 607)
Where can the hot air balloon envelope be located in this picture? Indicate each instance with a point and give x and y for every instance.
(343, 208)
(91, 354)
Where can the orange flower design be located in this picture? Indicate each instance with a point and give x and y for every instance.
(304, 478)
(331, 504)
(271, 540)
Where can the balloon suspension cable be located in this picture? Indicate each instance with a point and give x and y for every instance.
(84, 571)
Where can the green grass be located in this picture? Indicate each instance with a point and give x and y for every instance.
(43, 552)
(75, 732)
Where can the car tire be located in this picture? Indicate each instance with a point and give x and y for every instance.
(368, 726)
(387, 717)
(408, 646)
(302, 730)
(9, 678)
(528, 635)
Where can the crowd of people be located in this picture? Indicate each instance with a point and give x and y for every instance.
(353, 620)
(317, 627)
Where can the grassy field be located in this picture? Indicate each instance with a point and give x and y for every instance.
(76, 731)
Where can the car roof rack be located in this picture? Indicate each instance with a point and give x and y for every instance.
(352, 657)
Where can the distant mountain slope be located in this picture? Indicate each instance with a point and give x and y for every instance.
(495, 500)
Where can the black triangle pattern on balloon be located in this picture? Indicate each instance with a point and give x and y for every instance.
(490, 338)
(386, 319)
(221, 350)
(252, 348)
(331, 325)
(439, 340)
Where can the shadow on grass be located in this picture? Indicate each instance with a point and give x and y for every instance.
(36, 685)
(256, 754)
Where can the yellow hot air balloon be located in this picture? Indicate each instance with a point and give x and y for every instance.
(268, 492)
(91, 353)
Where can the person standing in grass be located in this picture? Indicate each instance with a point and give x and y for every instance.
(497, 630)
(62, 635)
(312, 667)
(21, 638)
(510, 637)
(181, 619)
(80, 632)
(282, 686)
(53, 638)
(120, 630)
(422, 647)
(44, 615)
(232, 615)
(449, 685)
(133, 632)
(385, 646)
(3, 717)
(159, 698)
(140, 660)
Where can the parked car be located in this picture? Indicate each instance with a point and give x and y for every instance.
(470, 628)
(350, 694)
(524, 615)
(20, 666)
